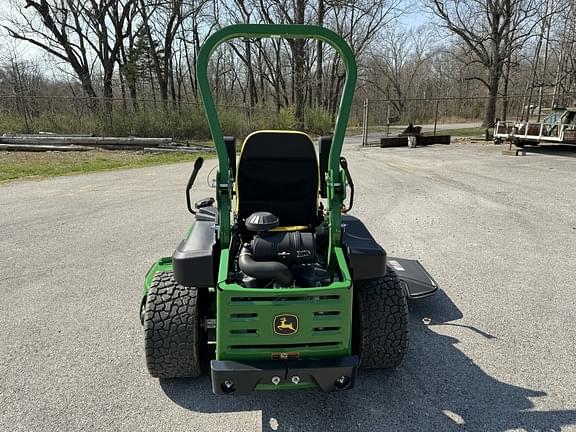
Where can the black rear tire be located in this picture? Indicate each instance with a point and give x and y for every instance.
(380, 322)
(171, 329)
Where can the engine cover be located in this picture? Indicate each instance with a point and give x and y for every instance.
(287, 247)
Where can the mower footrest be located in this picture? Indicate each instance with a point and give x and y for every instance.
(232, 377)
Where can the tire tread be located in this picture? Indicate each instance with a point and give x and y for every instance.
(382, 322)
(171, 331)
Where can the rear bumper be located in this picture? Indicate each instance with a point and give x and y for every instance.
(334, 374)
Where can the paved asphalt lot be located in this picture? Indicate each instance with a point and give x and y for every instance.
(494, 351)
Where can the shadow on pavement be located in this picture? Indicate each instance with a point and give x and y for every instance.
(553, 149)
(438, 388)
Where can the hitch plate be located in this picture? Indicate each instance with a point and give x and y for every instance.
(334, 374)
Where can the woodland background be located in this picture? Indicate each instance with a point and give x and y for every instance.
(127, 67)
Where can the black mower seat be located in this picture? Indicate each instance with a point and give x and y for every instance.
(278, 173)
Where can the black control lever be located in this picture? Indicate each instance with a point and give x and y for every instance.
(344, 165)
(197, 165)
(204, 202)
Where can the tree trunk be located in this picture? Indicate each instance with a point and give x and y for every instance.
(107, 87)
(123, 92)
(128, 79)
(263, 96)
(196, 39)
(544, 69)
(319, 57)
(299, 85)
(490, 111)
(298, 57)
(191, 67)
(505, 91)
(217, 76)
(494, 75)
(86, 81)
(160, 77)
(170, 73)
(530, 89)
(253, 97)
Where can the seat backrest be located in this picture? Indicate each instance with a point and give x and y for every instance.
(278, 173)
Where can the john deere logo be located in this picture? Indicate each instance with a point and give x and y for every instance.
(285, 324)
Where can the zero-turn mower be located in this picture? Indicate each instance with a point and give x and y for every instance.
(275, 285)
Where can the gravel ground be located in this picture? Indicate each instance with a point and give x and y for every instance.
(493, 351)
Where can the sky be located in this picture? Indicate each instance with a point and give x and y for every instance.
(414, 19)
(27, 51)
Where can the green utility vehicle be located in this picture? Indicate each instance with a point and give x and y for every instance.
(275, 286)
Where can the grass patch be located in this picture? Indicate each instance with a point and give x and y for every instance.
(358, 130)
(18, 165)
(186, 123)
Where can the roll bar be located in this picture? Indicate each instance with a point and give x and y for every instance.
(288, 31)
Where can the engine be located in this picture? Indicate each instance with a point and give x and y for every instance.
(287, 247)
(280, 259)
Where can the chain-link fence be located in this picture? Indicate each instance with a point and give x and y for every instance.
(186, 120)
(145, 117)
(390, 116)
(116, 117)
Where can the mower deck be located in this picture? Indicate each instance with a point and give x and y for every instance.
(418, 283)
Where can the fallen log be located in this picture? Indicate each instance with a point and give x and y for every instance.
(85, 140)
(43, 148)
(173, 150)
(200, 148)
(421, 140)
(44, 134)
(394, 141)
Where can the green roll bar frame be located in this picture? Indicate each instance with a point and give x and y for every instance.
(336, 183)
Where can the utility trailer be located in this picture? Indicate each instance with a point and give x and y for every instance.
(559, 127)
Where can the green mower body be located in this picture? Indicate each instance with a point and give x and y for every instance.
(275, 287)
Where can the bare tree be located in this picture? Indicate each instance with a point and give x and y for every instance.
(565, 51)
(396, 67)
(282, 11)
(75, 31)
(492, 31)
(21, 80)
(359, 22)
(161, 23)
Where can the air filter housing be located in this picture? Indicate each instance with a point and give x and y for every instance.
(261, 222)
